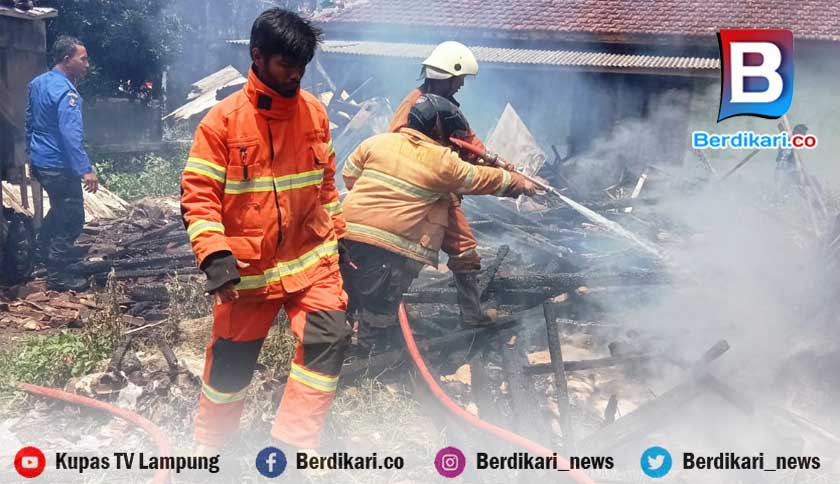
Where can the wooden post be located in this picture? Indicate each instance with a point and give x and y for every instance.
(560, 384)
(24, 188)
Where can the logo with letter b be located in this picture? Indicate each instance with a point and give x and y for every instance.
(756, 73)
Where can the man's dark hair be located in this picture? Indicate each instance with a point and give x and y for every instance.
(65, 46)
(278, 31)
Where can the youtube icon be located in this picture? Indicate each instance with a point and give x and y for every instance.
(30, 462)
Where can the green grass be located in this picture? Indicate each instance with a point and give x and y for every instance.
(52, 359)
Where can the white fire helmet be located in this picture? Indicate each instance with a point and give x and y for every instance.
(450, 59)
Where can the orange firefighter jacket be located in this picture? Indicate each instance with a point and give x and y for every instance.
(259, 182)
(400, 186)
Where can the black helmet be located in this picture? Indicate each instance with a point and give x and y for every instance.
(430, 108)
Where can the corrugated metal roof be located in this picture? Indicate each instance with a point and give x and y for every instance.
(498, 55)
(202, 96)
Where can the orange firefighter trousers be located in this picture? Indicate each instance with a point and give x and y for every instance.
(318, 323)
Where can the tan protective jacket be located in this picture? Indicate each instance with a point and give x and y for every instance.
(400, 186)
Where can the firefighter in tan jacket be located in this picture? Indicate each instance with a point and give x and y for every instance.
(396, 211)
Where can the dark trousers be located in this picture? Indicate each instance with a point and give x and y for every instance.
(375, 288)
(64, 222)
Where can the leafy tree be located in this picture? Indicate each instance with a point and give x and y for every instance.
(138, 39)
(126, 39)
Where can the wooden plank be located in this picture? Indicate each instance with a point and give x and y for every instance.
(545, 368)
(560, 384)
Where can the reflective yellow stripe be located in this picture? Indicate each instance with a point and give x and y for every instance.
(287, 268)
(299, 180)
(218, 169)
(218, 397)
(505, 184)
(281, 183)
(401, 186)
(393, 239)
(332, 148)
(312, 379)
(201, 226)
(465, 187)
(350, 169)
(204, 167)
(333, 208)
(261, 184)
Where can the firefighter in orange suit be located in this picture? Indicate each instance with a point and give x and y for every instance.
(261, 209)
(444, 72)
(397, 208)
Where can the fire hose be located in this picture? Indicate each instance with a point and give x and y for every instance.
(494, 160)
(515, 439)
(161, 440)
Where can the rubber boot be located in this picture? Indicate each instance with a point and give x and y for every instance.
(469, 301)
(373, 340)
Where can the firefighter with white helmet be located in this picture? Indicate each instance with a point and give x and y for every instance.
(444, 72)
(450, 59)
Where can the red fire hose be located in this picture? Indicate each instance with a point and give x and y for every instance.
(162, 441)
(532, 447)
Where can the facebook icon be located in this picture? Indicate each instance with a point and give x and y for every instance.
(271, 462)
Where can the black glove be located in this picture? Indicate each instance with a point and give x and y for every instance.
(221, 269)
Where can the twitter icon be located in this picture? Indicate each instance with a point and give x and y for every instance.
(656, 462)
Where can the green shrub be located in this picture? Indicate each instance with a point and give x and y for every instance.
(146, 176)
(51, 360)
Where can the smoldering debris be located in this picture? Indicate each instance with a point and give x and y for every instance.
(600, 346)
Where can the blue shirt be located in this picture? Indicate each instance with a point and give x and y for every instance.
(54, 129)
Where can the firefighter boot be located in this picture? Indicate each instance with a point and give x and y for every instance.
(371, 340)
(469, 300)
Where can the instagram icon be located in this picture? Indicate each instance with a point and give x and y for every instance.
(450, 462)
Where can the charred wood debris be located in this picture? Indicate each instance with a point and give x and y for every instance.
(553, 274)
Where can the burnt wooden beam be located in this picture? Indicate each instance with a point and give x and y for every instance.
(573, 280)
(89, 268)
(492, 270)
(535, 242)
(731, 395)
(148, 292)
(653, 414)
(376, 364)
(162, 272)
(447, 295)
(581, 365)
(520, 388)
(480, 384)
(560, 385)
(510, 287)
(154, 235)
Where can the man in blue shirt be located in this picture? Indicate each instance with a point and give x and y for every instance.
(54, 142)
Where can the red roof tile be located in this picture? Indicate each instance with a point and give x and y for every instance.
(808, 19)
